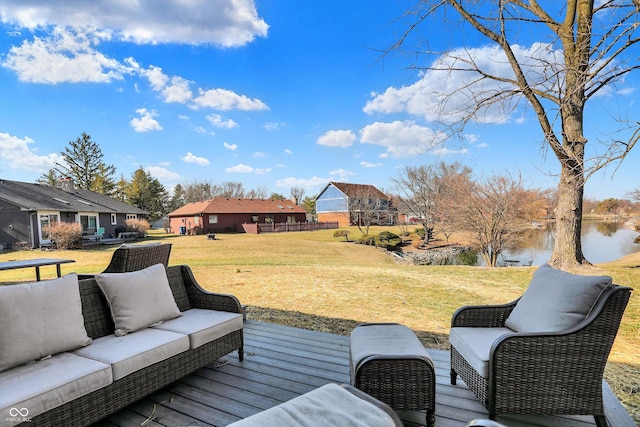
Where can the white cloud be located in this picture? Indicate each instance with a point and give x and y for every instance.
(273, 126)
(401, 139)
(231, 147)
(224, 100)
(18, 155)
(306, 183)
(370, 165)
(448, 91)
(146, 121)
(218, 121)
(444, 151)
(259, 154)
(162, 173)
(240, 168)
(190, 158)
(340, 175)
(227, 23)
(64, 56)
(337, 138)
(287, 151)
(177, 91)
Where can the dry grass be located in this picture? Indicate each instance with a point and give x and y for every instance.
(313, 280)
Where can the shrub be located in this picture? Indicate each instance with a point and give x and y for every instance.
(366, 239)
(388, 240)
(342, 233)
(65, 235)
(139, 225)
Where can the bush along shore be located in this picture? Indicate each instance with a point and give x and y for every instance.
(446, 255)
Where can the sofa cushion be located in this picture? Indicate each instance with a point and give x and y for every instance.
(327, 406)
(40, 386)
(138, 299)
(130, 353)
(203, 326)
(40, 319)
(474, 344)
(556, 300)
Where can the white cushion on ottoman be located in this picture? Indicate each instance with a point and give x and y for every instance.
(327, 406)
(136, 350)
(203, 326)
(41, 386)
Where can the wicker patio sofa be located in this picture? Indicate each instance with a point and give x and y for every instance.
(207, 327)
(544, 353)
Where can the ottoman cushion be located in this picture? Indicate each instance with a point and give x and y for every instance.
(327, 406)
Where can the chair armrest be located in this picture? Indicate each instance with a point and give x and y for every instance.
(381, 405)
(482, 316)
(201, 298)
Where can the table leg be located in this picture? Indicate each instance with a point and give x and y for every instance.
(37, 273)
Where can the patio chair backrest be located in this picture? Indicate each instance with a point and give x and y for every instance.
(137, 257)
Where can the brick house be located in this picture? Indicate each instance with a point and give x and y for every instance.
(349, 204)
(228, 215)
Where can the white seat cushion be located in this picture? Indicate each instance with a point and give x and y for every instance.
(474, 344)
(203, 326)
(391, 340)
(327, 406)
(37, 387)
(136, 350)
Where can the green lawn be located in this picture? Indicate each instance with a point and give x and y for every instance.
(312, 275)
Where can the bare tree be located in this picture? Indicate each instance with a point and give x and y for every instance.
(584, 49)
(416, 189)
(367, 208)
(297, 194)
(494, 213)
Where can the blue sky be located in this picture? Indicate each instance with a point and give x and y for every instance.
(273, 94)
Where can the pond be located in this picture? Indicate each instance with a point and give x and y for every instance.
(602, 241)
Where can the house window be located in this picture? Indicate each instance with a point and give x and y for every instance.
(254, 218)
(269, 219)
(291, 219)
(213, 219)
(132, 216)
(46, 219)
(114, 219)
(89, 222)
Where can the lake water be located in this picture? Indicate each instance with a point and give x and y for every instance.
(601, 242)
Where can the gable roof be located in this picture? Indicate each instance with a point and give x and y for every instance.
(355, 190)
(41, 197)
(222, 205)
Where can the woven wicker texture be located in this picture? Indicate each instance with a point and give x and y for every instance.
(97, 316)
(553, 373)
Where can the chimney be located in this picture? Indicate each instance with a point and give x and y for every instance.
(65, 184)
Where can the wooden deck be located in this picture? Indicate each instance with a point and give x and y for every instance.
(282, 362)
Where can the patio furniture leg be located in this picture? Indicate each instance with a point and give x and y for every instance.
(454, 377)
(601, 420)
(431, 418)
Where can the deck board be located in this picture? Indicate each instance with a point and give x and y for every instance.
(283, 362)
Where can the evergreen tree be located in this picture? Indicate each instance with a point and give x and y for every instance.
(84, 165)
(147, 193)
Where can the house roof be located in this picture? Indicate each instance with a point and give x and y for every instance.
(41, 197)
(221, 205)
(356, 190)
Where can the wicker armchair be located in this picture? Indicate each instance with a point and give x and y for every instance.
(136, 257)
(557, 372)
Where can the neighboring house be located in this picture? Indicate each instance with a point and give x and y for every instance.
(228, 215)
(354, 204)
(25, 208)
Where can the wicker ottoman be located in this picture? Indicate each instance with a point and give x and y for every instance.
(388, 362)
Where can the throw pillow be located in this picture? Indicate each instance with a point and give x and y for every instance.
(138, 299)
(555, 300)
(40, 319)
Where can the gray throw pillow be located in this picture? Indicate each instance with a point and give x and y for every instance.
(556, 300)
(138, 299)
(40, 319)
